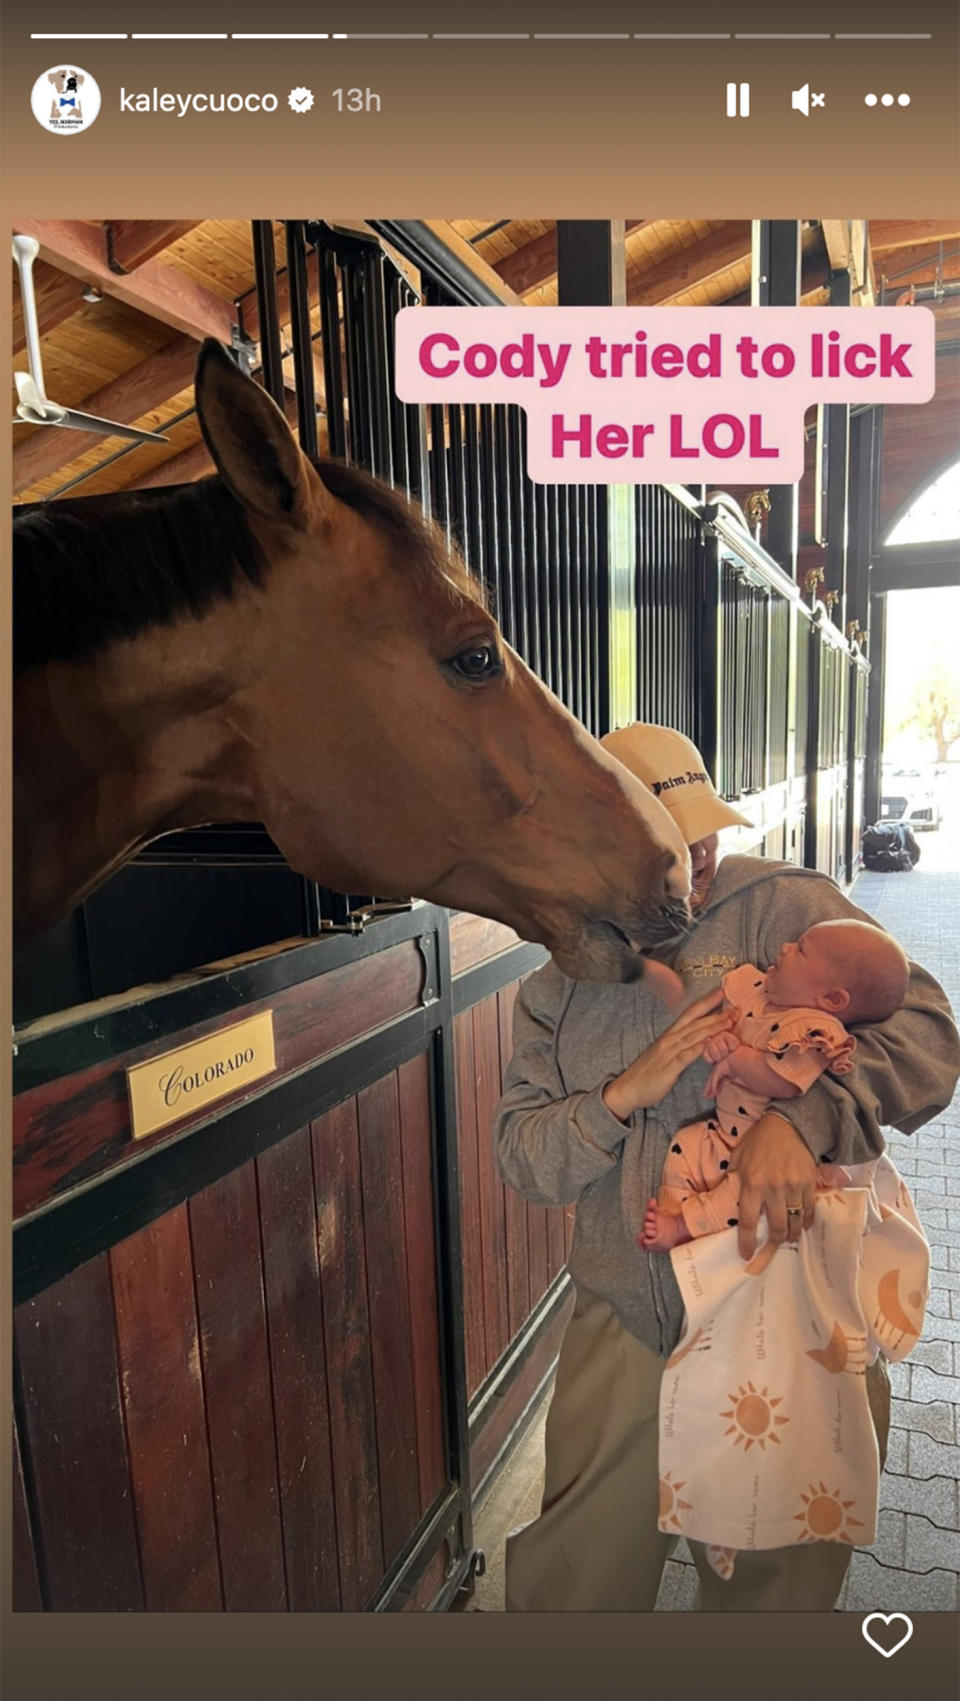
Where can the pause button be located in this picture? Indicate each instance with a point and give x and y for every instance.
(738, 100)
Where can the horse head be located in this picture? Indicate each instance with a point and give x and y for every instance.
(351, 690)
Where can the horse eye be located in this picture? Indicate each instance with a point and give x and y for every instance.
(477, 661)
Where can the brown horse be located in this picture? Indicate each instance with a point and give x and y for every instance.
(289, 642)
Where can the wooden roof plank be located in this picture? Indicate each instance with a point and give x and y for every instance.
(684, 269)
(886, 234)
(159, 291)
(131, 242)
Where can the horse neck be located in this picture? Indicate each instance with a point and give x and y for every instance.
(101, 767)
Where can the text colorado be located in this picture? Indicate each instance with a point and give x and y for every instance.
(152, 100)
(177, 1083)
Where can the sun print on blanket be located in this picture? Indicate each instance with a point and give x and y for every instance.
(842, 1352)
(671, 1504)
(755, 1419)
(826, 1516)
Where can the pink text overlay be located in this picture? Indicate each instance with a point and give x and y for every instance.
(616, 395)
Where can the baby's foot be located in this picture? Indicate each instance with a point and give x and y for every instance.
(660, 1232)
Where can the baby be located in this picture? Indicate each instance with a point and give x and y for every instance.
(787, 1028)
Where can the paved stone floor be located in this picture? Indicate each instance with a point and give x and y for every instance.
(915, 1562)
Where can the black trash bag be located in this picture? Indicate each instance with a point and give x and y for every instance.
(889, 847)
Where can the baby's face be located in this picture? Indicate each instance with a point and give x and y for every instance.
(803, 973)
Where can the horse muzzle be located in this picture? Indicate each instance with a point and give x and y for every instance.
(603, 950)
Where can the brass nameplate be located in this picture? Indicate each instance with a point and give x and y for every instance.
(179, 1082)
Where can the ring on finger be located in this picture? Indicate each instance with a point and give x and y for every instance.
(794, 1210)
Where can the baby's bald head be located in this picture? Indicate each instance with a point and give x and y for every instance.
(863, 960)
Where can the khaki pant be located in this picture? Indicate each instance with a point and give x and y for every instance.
(596, 1546)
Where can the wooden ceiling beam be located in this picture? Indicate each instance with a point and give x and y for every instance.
(686, 268)
(126, 399)
(158, 291)
(536, 262)
(185, 468)
(887, 234)
(131, 242)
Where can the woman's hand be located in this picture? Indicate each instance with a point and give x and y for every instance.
(777, 1173)
(657, 1069)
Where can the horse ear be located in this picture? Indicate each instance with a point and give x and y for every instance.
(252, 445)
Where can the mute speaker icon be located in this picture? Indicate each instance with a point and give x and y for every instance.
(800, 100)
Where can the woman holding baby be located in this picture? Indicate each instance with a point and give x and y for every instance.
(602, 1079)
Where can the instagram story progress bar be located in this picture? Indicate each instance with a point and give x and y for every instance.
(738, 100)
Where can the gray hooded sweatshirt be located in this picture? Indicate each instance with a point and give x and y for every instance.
(557, 1142)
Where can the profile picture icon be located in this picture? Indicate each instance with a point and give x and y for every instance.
(65, 99)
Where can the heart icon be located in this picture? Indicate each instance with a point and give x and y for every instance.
(886, 1619)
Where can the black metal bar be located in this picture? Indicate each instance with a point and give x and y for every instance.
(328, 282)
(503, 481)
(591, 272)
(473, 530)
(456, 481)
(875, 694)
(448, 1238)
(412, 1560)
(838, 476)
(518, 500)
(428, 251)
(591, 263)
(265, 271)
(301, 337)
(489, 493)
(915, 566)
(710, 661)
(775, 282)
(378, 375)
(358, 434)
(439, 472)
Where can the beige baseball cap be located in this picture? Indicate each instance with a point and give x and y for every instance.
(673, 769)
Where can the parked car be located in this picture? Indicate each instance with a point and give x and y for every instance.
(913, 796)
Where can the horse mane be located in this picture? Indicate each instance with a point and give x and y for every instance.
(92, 569)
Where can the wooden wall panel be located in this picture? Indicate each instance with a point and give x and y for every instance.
(474, 1342)
(162, 1382)
(225, 1232)
(512, 1250)
(26, 1582)
(299, 1371)
(346, 1324)
(381, 1175)
(474, 939)
(74, 1437)
(416, 1140)
(79, 1125)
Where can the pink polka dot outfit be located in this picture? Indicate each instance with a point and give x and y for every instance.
(799, 1044)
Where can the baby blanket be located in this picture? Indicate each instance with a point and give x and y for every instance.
(765, 1430)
